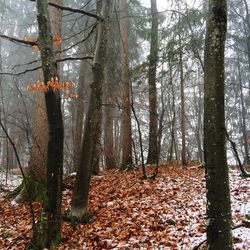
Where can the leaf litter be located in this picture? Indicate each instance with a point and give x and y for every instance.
(131, 213)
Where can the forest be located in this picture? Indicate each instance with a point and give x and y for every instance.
(124, 124)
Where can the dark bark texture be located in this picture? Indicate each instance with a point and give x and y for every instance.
(153, 117)
(126, 130)
(217, 180)
(52, 206)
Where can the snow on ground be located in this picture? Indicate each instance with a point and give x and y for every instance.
(167, 213)
(9, 181)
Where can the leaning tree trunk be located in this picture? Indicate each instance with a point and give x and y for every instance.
(79, 204)
(50, 223)
(153, 117)
(217, 180)
(126, 130)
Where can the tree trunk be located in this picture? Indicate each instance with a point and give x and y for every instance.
(243, 117)
(82, 102)
(52, 206)
(183, 116)
(126, 131)
(109, 89)
(79, 204)
(217, 180)
(153, 122)
(36, 174)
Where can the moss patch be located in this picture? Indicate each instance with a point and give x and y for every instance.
(36, 189)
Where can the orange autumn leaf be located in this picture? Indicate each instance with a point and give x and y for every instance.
(35, 48)
(57, 40)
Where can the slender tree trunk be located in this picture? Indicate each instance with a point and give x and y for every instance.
(243, 114)
(79, 118)
(217, 181)
(109, 89)
(126, 131)
(247, 20)
(183, 116)
(153, 117)
(79, 204)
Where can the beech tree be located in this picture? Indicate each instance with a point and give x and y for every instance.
(92, 126)
(217, 180)
(49, 232)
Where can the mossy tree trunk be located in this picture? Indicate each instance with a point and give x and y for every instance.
(92, 126)
(217, 180)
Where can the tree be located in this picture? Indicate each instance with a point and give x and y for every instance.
(36, 174)
(126, 131)
(84, 80)
(51, 217)
(217, 180)
(92, 126)
(153, 117)
(183, 118)
(109, 96)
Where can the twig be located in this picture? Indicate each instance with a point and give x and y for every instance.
(39, 67)
(75, 58)
(23, 175)
(76, 11)
(244, 173)
(14, 39)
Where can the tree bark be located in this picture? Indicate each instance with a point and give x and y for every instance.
(153, 116)
(109, 95)
(126, 130)
(51, 221)
(183, 116)
(79, 204)
(217, 181)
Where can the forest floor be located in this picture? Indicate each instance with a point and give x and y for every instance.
(131, 213)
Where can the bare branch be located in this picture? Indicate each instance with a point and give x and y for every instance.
(75, 58)
(39, 67)
(21, 41)
(76, 11)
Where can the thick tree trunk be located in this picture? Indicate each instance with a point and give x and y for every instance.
(153, 117)
(36, 175)
(52, 206)
(217, 180)
(79, 204)
(126, 130)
